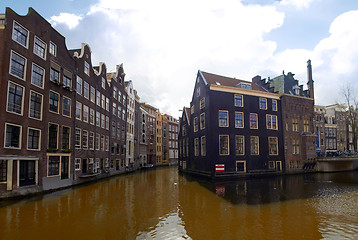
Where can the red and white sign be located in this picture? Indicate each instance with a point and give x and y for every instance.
(220, 168)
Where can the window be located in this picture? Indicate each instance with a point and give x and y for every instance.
(53, 48)
(102, 143)
(223, 144)
(274, 105)
(273, 145)
(37, 76)
(53, 166)
(104, 83)
(239, 119)
(79, 85)
(78, 164)
(241, 166)
(306, 125)
(103, 121)
(3, 170)
(238, 100)
(85, 89)
(12, 136)
(202, 103)
(40, 48)
(53, 98)
(115, 92)
(244, 85)
(91, 116)
(114, 109)
(85, 113)
(78, 110)
(84, 139)
(254, 145)
(86, 68)
(296, 146)
(20, 34)
(98, 119)
(263, 103)
(67, 81)
(17, 65)
(195, 124)
(97, 141)
(78, 138)
(271, 122)
(92, 94)
(192, 109)
(107, 122)
(113, 128)
(54, 75)
(98, 98)
(196, 147)
(203, 145)
(295, 124)
(198, 92)
(103, 101)
(107, 104)
(239, 145)
(119, 96)
(202, 121)
(52, 136)
(35, 110)
(15, 98)
(91, 140)
(106, 143)
(223, 118)
(253, 121)
(66, 106)
(66, 134)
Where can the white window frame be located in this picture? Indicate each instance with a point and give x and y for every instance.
(10, 65)
(42, 104)
(20, 136)
(36, 38)
(27, 145)
(27, 37)
(22, 99)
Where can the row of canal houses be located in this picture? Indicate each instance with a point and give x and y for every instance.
(65, 121)
(239, 128)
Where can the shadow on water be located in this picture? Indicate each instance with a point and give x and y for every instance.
(273, 189)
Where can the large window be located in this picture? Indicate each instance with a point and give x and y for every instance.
(263, 103)
(98, 136)
(3, 170)
(54, 75)
(53, 166)
(86, 89)
(203, 145)
(20, 34)
(223, 118)
(296, 146)
(98, 98)
(84, 139)
(98, 119)
(295, 124)
(273, 145)
(91, 140)
(86, 68)
(37, 77)
(12, 136)
(79, 85)
(18, 65)
(196, 124)
(306, 125)
(238, 100)
(52, 136)
(115, 92)
(271, 122)
(53, 48)
(93, 94)
(35, 110)
(15, 98)
(202, 121)
(253, 121)
(66, 107)
(78, 138)
(239, 119)
(33, 139)
(66, 134)
(239, 145)
(54, 97)
(254, 145)
(78, 110)
(274, 105)
(91, 116)
(223, 144)
(196, 146)
(85, 113)
(40, 48)
(67, 81)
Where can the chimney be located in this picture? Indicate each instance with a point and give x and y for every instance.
(309, 79)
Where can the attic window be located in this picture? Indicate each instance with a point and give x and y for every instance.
(297, 91)
(244, 85)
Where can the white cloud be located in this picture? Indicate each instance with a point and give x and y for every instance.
(69, 19)
(299, 4)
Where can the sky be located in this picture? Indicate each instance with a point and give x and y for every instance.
(163, 43)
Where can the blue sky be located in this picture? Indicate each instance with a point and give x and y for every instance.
(163, 43)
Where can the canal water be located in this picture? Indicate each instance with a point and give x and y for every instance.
(162, 204)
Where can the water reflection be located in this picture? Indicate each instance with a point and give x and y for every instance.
(161, 204)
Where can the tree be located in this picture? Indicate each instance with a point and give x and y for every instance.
(351, 101)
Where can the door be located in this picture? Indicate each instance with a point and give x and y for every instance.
(278, 166)
(64, 167)
(84, 165)
(27, 173)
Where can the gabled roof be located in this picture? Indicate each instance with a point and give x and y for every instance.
(214, 79)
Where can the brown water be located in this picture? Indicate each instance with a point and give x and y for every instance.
(160, 204)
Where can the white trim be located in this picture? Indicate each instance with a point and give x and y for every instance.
(25, 66)
(43, 77)
(42, 101)
(20, 137)
(22, 99)
(45, 53)
(27, 38)
(27, 139)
